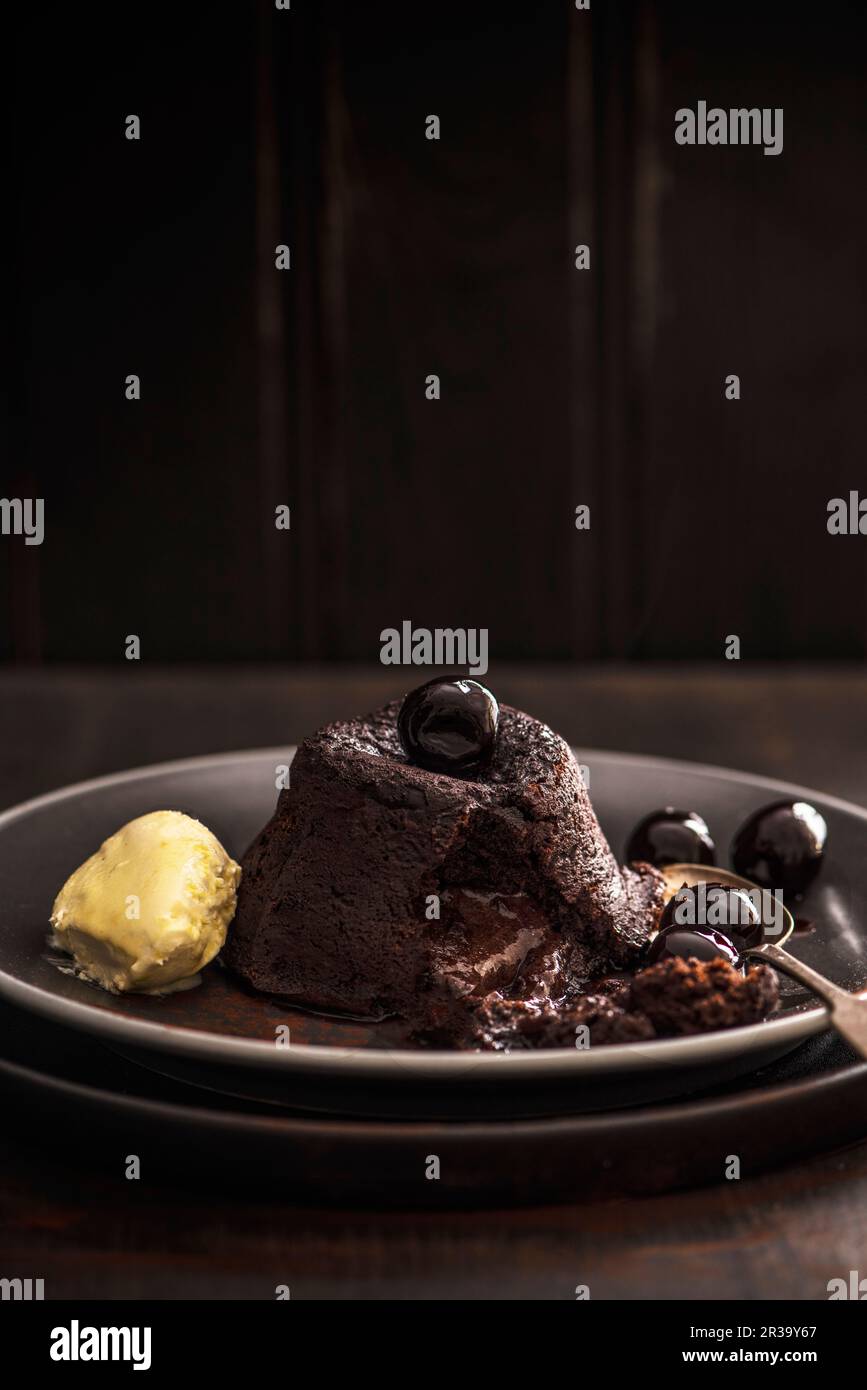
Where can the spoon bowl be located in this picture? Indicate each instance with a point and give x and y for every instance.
(678, 876)
(847, 1012)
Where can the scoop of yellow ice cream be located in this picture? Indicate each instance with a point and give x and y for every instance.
(151, 906)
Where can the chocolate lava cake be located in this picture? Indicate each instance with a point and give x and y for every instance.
(483, 907)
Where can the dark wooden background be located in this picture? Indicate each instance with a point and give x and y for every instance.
(410, 257)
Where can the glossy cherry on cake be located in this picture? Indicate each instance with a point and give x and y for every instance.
(449, 725)
(781, 846)
(669, 836)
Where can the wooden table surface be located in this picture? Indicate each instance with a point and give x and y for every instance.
(783, 1235)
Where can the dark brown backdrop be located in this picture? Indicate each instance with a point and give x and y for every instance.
(455, 257)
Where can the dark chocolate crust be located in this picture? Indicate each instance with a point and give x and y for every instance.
(337, 889)
(486, 911)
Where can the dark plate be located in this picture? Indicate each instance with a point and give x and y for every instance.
(223, 1037)
(57, 1082)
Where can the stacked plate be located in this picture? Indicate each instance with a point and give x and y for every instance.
(339, 1110)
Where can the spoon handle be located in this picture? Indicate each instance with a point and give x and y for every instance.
(848, 1011)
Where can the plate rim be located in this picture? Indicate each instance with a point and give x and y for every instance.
(432, 1064)
(597, 1122)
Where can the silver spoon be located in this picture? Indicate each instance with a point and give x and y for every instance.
(848, 1012)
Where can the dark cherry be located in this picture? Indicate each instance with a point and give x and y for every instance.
(669, 836)
(449, 725)
(703, 943)
(781, 846)
(718, 907)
